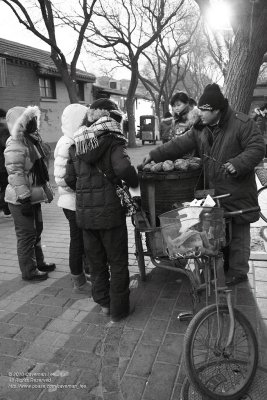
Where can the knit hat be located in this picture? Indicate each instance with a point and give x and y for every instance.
(72, 118)
(104, 104)
(212, 98)
(12, 115)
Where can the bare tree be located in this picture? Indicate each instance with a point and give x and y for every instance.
(48, 14)
(166, 60)
(123, 31)
(249, 23)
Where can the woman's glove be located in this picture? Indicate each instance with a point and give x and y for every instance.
(26, 207)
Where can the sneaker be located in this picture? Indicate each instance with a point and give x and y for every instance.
(235, 280)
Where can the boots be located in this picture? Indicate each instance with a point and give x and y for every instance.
(80, 284)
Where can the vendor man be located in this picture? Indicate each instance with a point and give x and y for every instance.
(230, 146)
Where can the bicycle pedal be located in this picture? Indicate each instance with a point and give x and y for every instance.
(185, 316)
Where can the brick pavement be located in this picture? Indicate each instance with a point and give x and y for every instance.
(61, 338)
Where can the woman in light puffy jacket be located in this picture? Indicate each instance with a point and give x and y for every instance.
(71, 119)
(27, 177)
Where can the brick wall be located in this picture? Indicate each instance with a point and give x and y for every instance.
(22, 87)
(23, 90)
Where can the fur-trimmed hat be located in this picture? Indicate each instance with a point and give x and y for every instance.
(17, 119)
(212, 98)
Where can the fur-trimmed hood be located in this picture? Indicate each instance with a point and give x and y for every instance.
(18, 117)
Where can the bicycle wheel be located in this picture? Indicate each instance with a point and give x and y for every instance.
(216, 371)
(262, 199)
(139, 253)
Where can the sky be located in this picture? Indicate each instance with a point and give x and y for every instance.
(11, 29)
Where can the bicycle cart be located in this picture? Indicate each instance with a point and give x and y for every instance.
(220, 347)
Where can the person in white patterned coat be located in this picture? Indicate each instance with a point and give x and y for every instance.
(72, 118)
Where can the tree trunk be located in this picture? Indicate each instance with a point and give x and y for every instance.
(130, 105)
(246, 58)
(68, 80)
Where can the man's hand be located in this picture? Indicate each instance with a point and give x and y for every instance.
(229, 168)
(145, 161)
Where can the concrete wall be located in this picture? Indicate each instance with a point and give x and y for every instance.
(52, 111)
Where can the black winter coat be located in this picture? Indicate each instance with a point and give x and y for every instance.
(97, 173)
(237, 140)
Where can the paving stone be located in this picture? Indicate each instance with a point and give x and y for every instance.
(132, 387)
(61, 326)
(90, 379)
(154, 331)
(177, 326)
(163, 308)
(93, 330)
(22, 365)
(128, 342)
(28, 334)
(82, 359)
(113, 396)
(51, 290)
(160, 383)
(171, 290)
(29, 308)
(11, 347)
(42, 353)
(171, 349)
(29, 321)
(79, 329)
(82, 343)
(50, 311)
(49, 338)
(110, 379)
(8, 330)
(142, 360)
(139, 318)
(123, 364)
(5, 364)
(47, 300)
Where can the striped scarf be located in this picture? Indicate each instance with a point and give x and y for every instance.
(86, 138)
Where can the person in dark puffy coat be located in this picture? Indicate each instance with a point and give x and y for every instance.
(100, 162)
(231, 146)
(182, 118)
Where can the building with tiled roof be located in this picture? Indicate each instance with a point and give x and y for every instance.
(28, 76)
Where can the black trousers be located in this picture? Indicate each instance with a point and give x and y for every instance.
(76, 249)
(28, 232)
(107, 253)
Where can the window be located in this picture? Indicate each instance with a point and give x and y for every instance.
(80, 90)
(47, 88)
(3, 72)
(113, 85)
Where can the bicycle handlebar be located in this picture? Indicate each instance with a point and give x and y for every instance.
(239, 212)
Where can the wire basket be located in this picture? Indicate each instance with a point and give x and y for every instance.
(192, 231)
